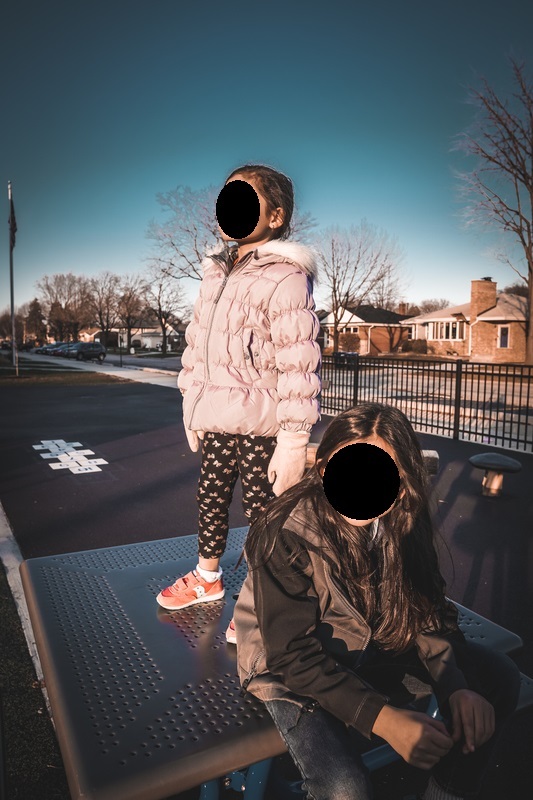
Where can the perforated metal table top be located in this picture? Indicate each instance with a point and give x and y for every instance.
(147, 703)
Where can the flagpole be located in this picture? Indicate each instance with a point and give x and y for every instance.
(12, 290)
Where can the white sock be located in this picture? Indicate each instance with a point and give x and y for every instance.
(208, 575)
(434, 792)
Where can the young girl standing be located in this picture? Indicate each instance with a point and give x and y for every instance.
(342, 620)
(249, 374)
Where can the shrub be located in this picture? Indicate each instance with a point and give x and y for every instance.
(415, 346)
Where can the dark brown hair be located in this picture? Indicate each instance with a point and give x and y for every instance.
(404, 594)
(278, 191)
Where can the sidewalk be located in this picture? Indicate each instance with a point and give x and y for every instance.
(159, 377)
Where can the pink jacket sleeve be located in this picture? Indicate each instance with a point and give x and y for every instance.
(188, 357)
(294, 330)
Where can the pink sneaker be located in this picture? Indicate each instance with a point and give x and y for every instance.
(189, 590)
(231, 634)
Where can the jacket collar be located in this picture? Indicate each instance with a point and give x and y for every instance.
(302, 521)
(272, 252)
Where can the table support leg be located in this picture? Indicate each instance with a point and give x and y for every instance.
(256, 780)
(209, 790)
(251, 781)
(492, 483)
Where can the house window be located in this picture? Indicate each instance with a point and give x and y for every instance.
(447, 331)
(503, 336)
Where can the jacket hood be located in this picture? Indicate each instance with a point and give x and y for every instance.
(283, 251)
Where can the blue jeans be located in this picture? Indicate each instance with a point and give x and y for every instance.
(328, 753)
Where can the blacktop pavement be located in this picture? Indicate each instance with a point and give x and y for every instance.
(486, 559)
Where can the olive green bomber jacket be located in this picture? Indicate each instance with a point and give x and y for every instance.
(297, 632)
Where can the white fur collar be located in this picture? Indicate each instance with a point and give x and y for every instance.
(294, 252)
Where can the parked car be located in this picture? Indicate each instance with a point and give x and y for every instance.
(86, 351)
(46, 349)
(60, 350)
(342, 358)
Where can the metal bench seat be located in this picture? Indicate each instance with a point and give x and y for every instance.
(147, 703)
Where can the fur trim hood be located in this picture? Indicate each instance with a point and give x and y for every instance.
(272, 252)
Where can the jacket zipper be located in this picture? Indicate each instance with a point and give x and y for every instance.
(353, 611)
(253, 670)
(208, 333)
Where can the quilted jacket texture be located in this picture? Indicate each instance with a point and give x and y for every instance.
(252, 360)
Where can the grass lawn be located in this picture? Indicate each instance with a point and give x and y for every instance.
(31, 373)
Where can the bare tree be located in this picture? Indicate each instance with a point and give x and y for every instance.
(386, 293)
(104, 296)
(165, 299)
(353, 263)
(131, 303)
(65, 299)
(433, 304)
(57, 321)
(21, 313)
(518, 288)
(499, 189)
(190, 227)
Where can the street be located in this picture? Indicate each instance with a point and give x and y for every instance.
(145, 490)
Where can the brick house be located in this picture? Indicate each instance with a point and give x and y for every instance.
(379, 330)
(490, 328)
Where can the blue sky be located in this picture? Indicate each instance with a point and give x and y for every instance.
(108, 103)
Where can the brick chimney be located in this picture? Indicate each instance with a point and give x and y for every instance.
(482, 297)
(402, 308)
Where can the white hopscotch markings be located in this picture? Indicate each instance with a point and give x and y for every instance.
(68, 458)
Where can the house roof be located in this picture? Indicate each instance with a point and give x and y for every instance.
(509, 307)
(442, 313)
(373, 315)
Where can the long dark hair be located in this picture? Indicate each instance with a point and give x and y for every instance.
(403, 594)
(277, 190)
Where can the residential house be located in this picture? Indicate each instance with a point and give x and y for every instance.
(379, 331)
(146, 335)
(490, 328)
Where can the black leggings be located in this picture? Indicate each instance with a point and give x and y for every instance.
(224, 457)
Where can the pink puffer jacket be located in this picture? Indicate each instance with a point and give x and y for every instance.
(251, 362)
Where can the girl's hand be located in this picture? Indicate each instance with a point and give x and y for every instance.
(193, 437)
(472, 717)
(287, 465)
(420, 740)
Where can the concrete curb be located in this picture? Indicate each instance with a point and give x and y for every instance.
(153, 369)
(11, 558)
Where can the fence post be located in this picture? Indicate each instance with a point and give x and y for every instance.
(355, 379)
(457, 408)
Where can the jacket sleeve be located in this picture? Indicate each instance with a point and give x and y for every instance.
(188, 357)
(436, 651)
(287, 613)
(294, 330)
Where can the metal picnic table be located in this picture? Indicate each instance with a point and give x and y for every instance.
(147, 703)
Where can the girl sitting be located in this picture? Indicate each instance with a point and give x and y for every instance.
(342, 621)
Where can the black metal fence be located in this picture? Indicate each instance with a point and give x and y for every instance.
(485, 403)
